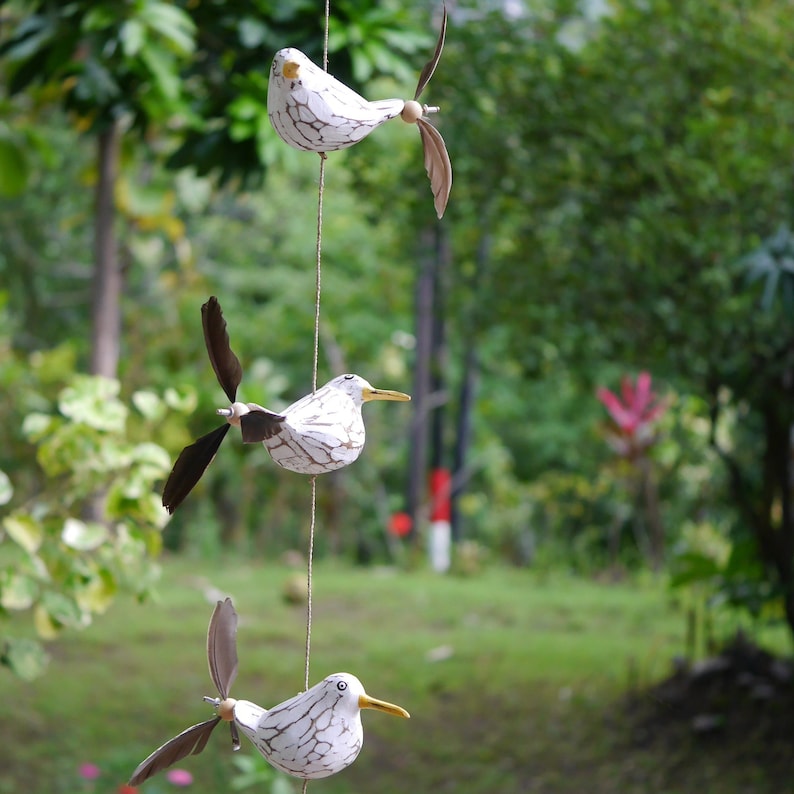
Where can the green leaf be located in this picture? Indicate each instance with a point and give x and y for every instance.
(98, 18)
(64, 611)
(25, 531)
(183, 399)
(17, 591)
(133, 36)
(30, 38)
(172, 23)
(152, 459)
(281, 785)
(26, 658)
(6, 488)
(14, 169)
(92, 401)
(691, 568)
(149, 404)
(83, 536)
(163, 70)
(36, 426)
(98, 593)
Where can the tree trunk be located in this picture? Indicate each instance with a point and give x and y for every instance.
(468, 390)
(417, 462)
(767, 509)
(107, 287)
(653, 515)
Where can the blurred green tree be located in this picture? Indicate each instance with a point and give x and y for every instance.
(657, 157)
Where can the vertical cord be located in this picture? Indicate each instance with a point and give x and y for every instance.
(315, 367)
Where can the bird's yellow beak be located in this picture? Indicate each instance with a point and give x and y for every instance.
(366, 702)
(291, 69)
(384, 394)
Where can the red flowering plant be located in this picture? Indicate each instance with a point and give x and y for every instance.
(631, 432)
(634, 415)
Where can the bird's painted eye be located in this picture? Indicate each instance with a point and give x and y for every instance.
(349, 377)
(341, 685)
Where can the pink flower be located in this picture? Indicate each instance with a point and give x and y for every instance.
(633, 414)
(89, 771)
(179, 777)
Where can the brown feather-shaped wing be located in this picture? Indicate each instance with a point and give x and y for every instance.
(191, 741)
(222, 653)
(222, 647)
(190, 465)
(226, 365)
(437, 164)
(430, 66)
(259, 425)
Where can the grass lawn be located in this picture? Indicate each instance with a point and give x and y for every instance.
(516, 682)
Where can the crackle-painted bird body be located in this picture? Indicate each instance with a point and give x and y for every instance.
(315, 734)
(313, 111)
(312, 735)
(321, 432)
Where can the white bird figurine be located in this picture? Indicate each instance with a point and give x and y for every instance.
(314, 112)
(321, 432)
(313, 735)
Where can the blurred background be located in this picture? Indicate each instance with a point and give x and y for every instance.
(567, 550)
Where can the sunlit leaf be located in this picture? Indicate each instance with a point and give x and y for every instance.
(98, 594)
(6, 488)
(132, 35)
(161, 65)
(17, 591)
(83, 536)
(149, 404)
(25, 531)
(171, 22)
(35, 426)
(183, 399)
(152, 459)
(92, 400)
(45, 626)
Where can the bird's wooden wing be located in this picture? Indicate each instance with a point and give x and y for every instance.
(437, 164)
(190, 742)
(222, 647)
(222, 653)
(259, 425)
(190, 465)
(430, 66)
(226, 365)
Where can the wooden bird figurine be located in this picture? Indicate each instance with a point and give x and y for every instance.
(313, 735)
(321, 432)
(314, 112)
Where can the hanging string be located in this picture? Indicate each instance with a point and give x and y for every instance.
(315, 367)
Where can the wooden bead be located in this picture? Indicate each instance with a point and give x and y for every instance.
(226, 709)
(411, 112)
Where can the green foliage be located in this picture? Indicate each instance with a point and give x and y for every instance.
(55, 563)
(254, 770)
(109, 60)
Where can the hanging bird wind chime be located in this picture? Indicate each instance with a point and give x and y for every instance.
(321, 432)
(314, 112)
(318, 732)
(312, 735)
